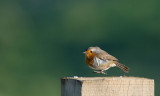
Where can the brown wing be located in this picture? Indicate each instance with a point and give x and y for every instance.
(106, 56)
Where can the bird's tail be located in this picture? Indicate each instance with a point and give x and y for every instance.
(123, 67)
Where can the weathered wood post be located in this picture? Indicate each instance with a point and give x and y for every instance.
(107, 86)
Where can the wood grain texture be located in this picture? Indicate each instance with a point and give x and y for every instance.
(107, 86)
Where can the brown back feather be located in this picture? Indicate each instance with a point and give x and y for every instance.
(106, 56)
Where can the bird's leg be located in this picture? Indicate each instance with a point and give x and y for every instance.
(97, 71)
(100, 71)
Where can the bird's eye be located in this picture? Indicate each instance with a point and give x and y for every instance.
(91, 51)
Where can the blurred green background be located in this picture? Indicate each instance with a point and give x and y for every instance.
(43, 40)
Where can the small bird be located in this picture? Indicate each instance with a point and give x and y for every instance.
(100, 60)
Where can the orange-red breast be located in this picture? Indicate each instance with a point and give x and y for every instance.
(100, 60)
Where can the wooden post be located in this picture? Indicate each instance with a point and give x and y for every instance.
(107, 86)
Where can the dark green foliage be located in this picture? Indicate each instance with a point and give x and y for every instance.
(43, 40)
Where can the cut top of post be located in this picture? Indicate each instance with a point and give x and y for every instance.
(121, 78)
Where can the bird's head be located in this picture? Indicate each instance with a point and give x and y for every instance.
(92, 51)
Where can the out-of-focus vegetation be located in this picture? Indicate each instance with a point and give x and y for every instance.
(43, 40)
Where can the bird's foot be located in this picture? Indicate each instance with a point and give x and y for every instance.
(100, 72)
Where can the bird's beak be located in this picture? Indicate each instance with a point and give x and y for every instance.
(84, 52)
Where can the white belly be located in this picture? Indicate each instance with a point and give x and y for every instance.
(100, 64)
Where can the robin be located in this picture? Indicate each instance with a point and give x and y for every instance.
(100, 60)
